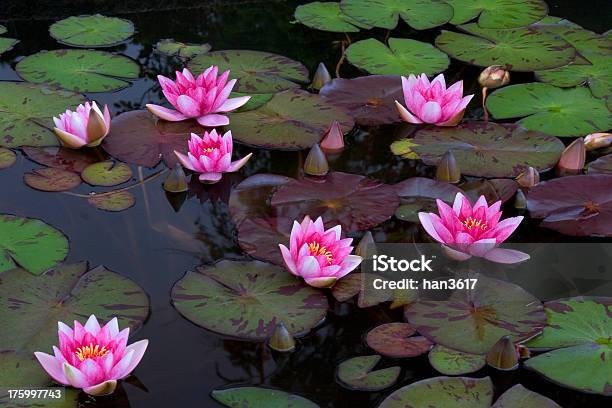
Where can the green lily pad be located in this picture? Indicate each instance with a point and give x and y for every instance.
(113, 202)
(327, 17)
(293, 119)
(108, 173)
(179, 49)
(7, 158)
(92, 31)
(256, 71)
(419, 14)
(31, 244)
(356, 374)
(603, 165)
(519, 396)
(498, 13)
(50, 179)
(62, 158)
(519, 49)
(453, 362)
(586, 42)
(402, 57)
(595, 73)
(443, 392)
(34, 304)
(419, 194)
(552, 110)
(256, 101)
(7, 44)
(396, 340)
(27, 112)
(487, 149)
(472, 321)
(258, 397)
(79, 70)
(3, 29)
(247, 299)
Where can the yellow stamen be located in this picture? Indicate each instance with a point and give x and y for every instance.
(91, 351)
(474, 223)
(209, 149)
(316, 249)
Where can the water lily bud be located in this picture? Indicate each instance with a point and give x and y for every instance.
(321, 77)
(597, 141)
(573, 158)
(281, 340)
(520, 201)
(333, 140)
(528, 178)
(176, 181)
(316, 162)
(366, 246)
(503, 355)
(447, 169)
(493, 77)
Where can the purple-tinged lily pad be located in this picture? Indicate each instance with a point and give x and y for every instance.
(472, 321)
(454, 362)
(370, 99)
(7, 158)
(397, 340)
(113, 201)
(574, 205)
(347, 287)
(493, 189)
(106, 174)
(247, 299)
(139, 138)
(34, 304)
(251, 198)
(353, 201)
(259, 237)
(258, 397)
(356, 374)
(603, 165)
(443, 392)
(50, 179)
(520, 397)
(419, 194)
(63, 158)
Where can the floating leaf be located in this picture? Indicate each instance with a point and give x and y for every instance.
(31, 244)
(472, 321)
(257, 71)
(356, 374)
(179, 49)
(7, 158)
(595, 74)
(519, 49)
(34, 304)
(519, 396)
(251, 198)
(419, 14)
(347, 287)
(327, 17)
(293, 119)
(79, 70)
(492, 189)
(62, 158)
(258, 397)
(453, 362)
(574, 205)
(353, 201)
(487, 149)
(603, 165)
(443, 392)
(259, 237)
(27, 112)
(586, 42)
(403, 147)
(256, 101)
(50, 179)
(113, 202)
(370, 99)
(498, 13)
(108, 173)
(7, 44)
(397, 340)
(552, 110)
(139, 138)
(248, 299)
(92, 31)
(402, 57)
(419, 194)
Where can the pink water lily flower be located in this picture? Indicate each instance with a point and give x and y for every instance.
(469, 231)
(211, 156)
(431, 102)
(88, 126)
(92, 357)
(318, 255)
(202, 98)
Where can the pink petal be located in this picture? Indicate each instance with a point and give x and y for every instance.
(104, 388)
(233, 103)
(455, 254)
(210, 177)
(431, 112)
(506, 256)
(92, 325)
(68, 139)
(505, 228)
(322, 281)
(138, 349)
(185, 161)
(119, 370)
(74, 376)
(482, 246)
(165, 113)
(288, 259)
(349, 264)
(427, 221)
(236, 165)
(187, 106)
(309, 267)
(223, 94)
(52, 366)
(406, 115)
(440, 80)
(212, 120)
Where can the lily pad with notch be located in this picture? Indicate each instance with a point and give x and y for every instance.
(169, 46)
(327, 16)
(498, 13)
(52, 180)
(420, 194)
(418, 14)
(397, 340)
(356, 374)
(63, 158)
(107, 173)
(519, 396)
(602, 165)
(113, 201)
(7, 44)
(259, 397)
(92, 31)
(454, 362)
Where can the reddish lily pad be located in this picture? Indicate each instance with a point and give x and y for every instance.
(489, 149)
(603, 165)
(7, 158)
(574, 205)
(472, 321)
(443, 392)
(251, 198)
(113, 202)
(519, 396)
(420, 194)
(397, 340)
(356, 374)
(106, 174)
(63, 158)
(493, 189)
(139, 138)
(50, 179)
(34, 304)
(370, 99)
(247, 299)
(291, 120)
(259, 237)
(258, 397)
(353, 201)
(453, 362)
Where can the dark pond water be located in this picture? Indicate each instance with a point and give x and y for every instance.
(154, 244)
